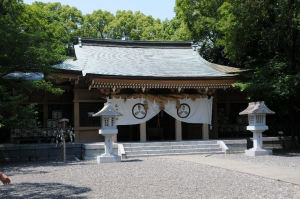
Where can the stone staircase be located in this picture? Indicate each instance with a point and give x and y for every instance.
(145, 149)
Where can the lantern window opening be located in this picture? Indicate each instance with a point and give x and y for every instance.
(260, 119)
(251, 119)
(112, 121)
(106, 121)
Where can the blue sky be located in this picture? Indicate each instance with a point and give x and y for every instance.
(157, 8)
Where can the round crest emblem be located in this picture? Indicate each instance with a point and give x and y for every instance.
(139, 111)
(183, 111)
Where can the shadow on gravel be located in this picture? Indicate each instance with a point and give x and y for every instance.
(42, 190)
(287, 154)
(20, 171)
(134, 160)
(30, 168)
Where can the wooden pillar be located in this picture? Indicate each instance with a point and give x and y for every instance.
(76, 121)
(143, 137)
(205, 132)
(227, 109)
(178, 130)
(45, 114)
(215, 119)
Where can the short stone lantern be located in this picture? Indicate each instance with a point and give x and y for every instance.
(108, 130)
(256, 112)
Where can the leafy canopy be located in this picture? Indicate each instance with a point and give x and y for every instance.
(261, 36)
(34, 40)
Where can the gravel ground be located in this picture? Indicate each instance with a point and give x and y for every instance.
(141, 178)
(287, 160)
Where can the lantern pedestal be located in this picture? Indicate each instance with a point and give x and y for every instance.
(109, 155)
(108, 130)
(256, 112)
(257, 152)
(257, 149)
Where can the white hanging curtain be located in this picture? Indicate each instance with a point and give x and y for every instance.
(134, 111)
(137, 111)
(198, 111)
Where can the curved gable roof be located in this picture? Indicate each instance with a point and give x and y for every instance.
(141, 58)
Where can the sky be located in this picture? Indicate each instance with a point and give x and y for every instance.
(157, 8)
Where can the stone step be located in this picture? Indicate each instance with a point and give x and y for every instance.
(171, 151)
(166, 154)
(165, 147)
(168, 143)
(171, 148)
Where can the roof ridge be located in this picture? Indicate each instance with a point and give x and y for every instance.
(135, 43)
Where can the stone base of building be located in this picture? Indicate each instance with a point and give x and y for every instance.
(258, 152)
(108, 158)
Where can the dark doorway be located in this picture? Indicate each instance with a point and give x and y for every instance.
(161, 127)
(128, 133)
(191, 131)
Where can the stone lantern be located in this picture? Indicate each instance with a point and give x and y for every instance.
(256, 112)
(108, 130)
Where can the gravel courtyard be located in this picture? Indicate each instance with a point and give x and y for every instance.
(156, 177)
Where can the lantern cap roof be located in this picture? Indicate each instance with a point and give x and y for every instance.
(107, 110)
(257, 108)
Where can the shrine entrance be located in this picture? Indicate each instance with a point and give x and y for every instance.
(128, 133)
(191, 131)
(161, 127)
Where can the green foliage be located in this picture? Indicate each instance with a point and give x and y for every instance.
(47, 86)
(201, 18)
(14, 112)
(95, 24)
(132, 26)
(34, 40)
(261, 36)
(68, 17)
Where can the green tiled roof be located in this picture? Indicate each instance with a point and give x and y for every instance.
(140, 58)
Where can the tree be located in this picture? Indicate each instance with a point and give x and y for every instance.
(69, 17)
(260, 36)
(34, 40)
(95, 24)
(176, 30)
(200, 18)
(123, 25)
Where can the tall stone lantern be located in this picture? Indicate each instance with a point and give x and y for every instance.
(256, 112)
(108, 130)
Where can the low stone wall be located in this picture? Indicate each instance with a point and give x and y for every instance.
(236, 146)
(275, 142)
(38, 152)
(92, 150)
(85, 151)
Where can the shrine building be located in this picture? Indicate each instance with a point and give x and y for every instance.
(162, 91)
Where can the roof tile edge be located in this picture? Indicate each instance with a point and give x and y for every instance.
(135, 43)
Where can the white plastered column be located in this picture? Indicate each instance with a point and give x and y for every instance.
(178, 130)
(143, 132)
(205, 132)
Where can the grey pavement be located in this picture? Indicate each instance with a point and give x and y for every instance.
(161, 177)
(273, 172)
